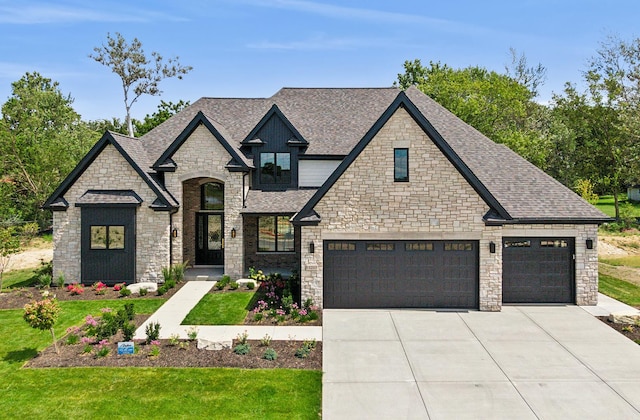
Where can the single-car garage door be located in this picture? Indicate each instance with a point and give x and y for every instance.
(537, 270)
(400, 274)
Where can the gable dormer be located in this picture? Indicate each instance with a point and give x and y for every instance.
(275, 145)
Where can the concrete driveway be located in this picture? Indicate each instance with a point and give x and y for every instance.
(547, 362)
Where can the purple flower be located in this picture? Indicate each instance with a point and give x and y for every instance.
(103, 342)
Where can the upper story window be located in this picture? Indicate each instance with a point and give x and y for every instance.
(401, 165)
(275, 168)
(212, 196)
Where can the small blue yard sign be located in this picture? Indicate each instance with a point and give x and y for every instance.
(126, 347)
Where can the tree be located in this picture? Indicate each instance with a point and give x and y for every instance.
(42, 315)
(497, 105)
(140, 75)
(164, 112)
(41, 140)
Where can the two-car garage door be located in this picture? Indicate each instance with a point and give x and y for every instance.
(401, 274)
(443, 274)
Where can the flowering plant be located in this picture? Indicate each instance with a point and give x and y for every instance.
(75, 289)
(100, 288)
(118, 287)
(155, 348)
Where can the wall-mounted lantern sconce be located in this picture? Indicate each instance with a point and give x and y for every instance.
(589, 243)
(174, 232)
(233, 232)
(312, 247)
(492, 247)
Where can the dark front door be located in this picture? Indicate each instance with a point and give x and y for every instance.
(209, 239)
(537, 270)
(401, 274)
(108, 245)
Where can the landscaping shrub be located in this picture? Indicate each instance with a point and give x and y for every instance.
(265, 341)
(306, 348)
(142, 291)
(162, 290)
(60, 281)
(242, 349)
(124, 292)
(128, 331)
(129, 310)
(270, 354)
(153, 332)
(233, 285)
(170, 284)
(250, 286)
(192, 333)
(43, 280)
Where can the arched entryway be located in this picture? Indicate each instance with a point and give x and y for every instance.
(203, 221)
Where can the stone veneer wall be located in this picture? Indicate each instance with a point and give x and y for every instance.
(110, 171)
(268, 260)
(202, 156)
(436, 204)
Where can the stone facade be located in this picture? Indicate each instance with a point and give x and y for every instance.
(200, 159)
(110, 171)
(436, 204)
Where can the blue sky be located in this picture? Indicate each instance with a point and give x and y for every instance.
(252, 48)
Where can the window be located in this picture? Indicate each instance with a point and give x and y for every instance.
(462, 246)
(380, 247)
(107, 237)
(418, 246)
(212, 196)
(401, 165)
(275, 168)
(341, 246)
(517, 244)
(554, 244)
(275, 234)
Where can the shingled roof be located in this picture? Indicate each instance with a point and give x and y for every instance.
(334, 122)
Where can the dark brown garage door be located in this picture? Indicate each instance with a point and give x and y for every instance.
(537, 270)
(400, 274)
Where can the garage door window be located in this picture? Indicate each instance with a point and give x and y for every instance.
(341, 246)
(458, 246)
(517, 244)
(380, 247)
(554, 244)
(418, 246)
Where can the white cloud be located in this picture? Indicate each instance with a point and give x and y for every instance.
(39, 13)
(364, 14)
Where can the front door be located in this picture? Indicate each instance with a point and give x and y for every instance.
(209, 239)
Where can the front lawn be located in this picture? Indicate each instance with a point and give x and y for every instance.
(619, 289)
(222, 308)
(140, 392)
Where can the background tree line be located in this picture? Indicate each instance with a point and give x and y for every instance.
(586, 139)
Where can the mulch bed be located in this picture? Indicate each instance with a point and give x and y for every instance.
(175, 356)
(630, 331)
(17, 298)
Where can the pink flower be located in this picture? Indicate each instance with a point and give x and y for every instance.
(106, 310)
(155, 342)
(303, 312)
(103, 342)
(90, 320)
(86, 340)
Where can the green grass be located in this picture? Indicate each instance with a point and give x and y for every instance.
(621, 290)
(141, 392)
(630, 261)
(18, 278)
(220, 309)
(606, 205)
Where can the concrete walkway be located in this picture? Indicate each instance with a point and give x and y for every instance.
(607, 306)
(545, 362)
(171, 314)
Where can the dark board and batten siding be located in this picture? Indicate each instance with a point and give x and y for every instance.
(109, 266)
